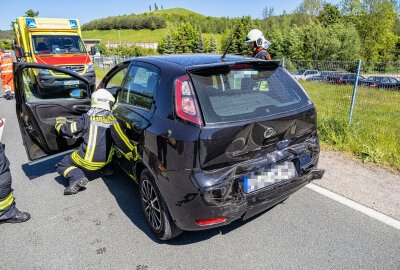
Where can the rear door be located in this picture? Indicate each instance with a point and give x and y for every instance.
(38, 107)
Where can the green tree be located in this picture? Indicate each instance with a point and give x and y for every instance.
(6, 44)
(169, 47)
(375, 27)
(349, 40)
(310, 7)
(213, 45)
(31, 13)
(330, 14)
(268, 12)
(235, 38)
(198, 46)
(184, 38)
(351, 7)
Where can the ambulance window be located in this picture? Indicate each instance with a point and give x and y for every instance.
(57, 44)
(39, 85)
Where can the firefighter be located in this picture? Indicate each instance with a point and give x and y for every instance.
(100, 132)
(6, 70)
(9, 213)
(258, 45)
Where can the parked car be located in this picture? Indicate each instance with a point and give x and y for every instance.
(318, 78)
(350, 79)
(305, 74)
(382, 82)
(334, 76)
(218, 140)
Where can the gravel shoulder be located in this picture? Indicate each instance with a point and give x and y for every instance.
(368, 184)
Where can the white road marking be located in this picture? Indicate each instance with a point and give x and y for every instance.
(356, 206)
(2, 127)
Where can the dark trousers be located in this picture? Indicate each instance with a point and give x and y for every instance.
(70, 170)
(7, 202)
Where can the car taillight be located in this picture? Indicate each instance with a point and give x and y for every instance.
(373, 85)
(210, 221)
(186, 104)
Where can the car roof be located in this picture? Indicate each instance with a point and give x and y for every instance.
(190, 60)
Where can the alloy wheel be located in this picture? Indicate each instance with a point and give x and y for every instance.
(151, 205)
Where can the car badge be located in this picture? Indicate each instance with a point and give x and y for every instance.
(269, 132)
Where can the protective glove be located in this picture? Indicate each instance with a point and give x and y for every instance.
(59, 122)
(132, 155)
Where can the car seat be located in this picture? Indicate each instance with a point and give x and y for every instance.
(152, 82)
(42, 48)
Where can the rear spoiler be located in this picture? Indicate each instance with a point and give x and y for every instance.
(255, 63)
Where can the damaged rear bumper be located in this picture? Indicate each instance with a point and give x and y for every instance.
(218, 194)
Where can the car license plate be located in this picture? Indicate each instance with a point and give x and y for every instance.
(267, 176)
(71, 82)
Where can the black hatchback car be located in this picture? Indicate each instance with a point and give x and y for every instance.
(219, 140)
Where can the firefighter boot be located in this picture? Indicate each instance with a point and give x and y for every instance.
(107, 171)
(74, 187)
(18, 218)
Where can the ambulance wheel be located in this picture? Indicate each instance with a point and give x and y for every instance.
(155, 209)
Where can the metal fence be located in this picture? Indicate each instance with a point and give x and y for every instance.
(361, 92)
(358, 105)
(108, 62)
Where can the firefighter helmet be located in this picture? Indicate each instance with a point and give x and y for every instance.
(103, 99)
(258, 38)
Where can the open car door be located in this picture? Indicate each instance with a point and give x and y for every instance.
(43, 93)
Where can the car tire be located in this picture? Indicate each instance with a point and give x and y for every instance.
(155, 209)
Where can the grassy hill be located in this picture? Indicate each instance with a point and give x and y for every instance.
(145, 35)
(135, 35)
(7, 34)
(175, 12)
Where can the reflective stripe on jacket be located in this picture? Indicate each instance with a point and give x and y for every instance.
(6, 63)
(99, 134)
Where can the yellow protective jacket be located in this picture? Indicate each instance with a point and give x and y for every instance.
(100, 133)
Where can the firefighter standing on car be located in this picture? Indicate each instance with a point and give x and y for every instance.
(6, 70)
(100, 132)
(9, 213)
(258, 44)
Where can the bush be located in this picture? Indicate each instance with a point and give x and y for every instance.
(133, 51)
(135, 22)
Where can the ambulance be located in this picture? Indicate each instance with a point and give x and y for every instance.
(53, 41)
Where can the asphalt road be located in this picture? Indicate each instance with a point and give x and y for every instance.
(103, 228)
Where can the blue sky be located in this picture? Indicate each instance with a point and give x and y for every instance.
(89, 10)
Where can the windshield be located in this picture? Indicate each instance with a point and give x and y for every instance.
(50, 44)
(246, 93)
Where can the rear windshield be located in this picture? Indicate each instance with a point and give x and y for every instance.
(234, 94)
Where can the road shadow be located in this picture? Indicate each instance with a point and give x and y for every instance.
(193, 237)
(126, 193)
(40, 169)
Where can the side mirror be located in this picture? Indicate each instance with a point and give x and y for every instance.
(19, 52)
(93, 50)
(77, 93)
